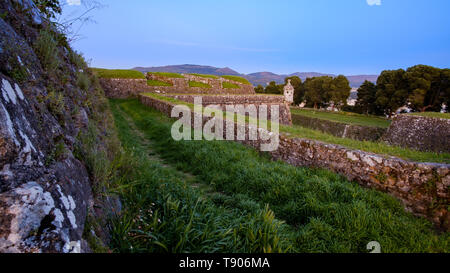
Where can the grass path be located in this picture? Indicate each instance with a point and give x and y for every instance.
(167, 210)
(325, 212)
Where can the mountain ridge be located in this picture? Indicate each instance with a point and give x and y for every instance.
(262, 78)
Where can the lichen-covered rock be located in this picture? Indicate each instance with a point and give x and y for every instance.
(45, 191)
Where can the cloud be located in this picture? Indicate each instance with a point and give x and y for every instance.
(74, 2)
(374, 2)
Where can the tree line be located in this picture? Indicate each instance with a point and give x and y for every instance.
(315, 92)
(421, 88)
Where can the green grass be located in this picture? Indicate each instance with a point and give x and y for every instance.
(164, 214)
(344, 117)
(432, 115)
(368, 146)
(199, 84)
(230, 85)
(237, 79)
(325, 212)
(205, 76)
(158, 83)
(167, 74)
(118, 73)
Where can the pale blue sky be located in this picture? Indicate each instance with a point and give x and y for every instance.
(281, 36)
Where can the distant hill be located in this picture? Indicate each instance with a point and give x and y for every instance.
(262, 78)
(190, 68)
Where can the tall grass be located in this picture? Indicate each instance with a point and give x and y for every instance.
(327, 212)
(164, 214)
(46, 48)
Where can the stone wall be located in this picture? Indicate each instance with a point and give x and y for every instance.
(363, 133)
(124, 88)
(257, 100)
(181, 85)
(423, 188)
(420, 133)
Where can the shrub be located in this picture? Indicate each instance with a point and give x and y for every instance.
(83, 81)
(77, 59)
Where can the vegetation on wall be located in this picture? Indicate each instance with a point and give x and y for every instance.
(118, 73)
(167, 74)
(230, 85)
(199, 84)
(158, 83)
(237, 79)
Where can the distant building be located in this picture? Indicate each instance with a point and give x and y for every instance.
(353, 97)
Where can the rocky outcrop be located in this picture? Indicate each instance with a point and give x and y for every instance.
(45, 190)
(362, 133)
(420, 133)
(423, 188)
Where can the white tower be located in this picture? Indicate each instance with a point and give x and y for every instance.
(289, 92)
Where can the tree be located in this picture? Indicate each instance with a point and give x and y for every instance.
(392, 91)
(339, 91)
(272, 88)
(367, 98)
(424, 87)
(259, 89)
(317, 90)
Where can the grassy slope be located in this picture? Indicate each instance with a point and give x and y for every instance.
(433, 115)
(118, 73)
(204, 76)
(167, 74)
(326, 212)
(374, 147)
(344, 117)
(158, 83)
(230, 85)
(237, 79)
